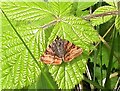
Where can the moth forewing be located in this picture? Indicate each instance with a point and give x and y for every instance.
(75, 52)
(60, 50)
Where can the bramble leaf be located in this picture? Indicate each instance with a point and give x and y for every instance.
(18, 67)
(100, 10)
(80, 33)
(32, 20)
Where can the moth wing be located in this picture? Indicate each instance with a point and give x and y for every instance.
(72, 51)
(49, 57)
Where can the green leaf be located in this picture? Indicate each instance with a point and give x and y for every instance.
(75, 30)
(67, 75)
(100, 76)
(85, 5)
(112, 2)
(105, 58)
(81, 34)
(37, 11)
(82, 6)
(18, 67)
(20, 11)
(82, 13)
(113, 81)
(60, 8)
(117, 23)
(100, 10)
(107, 81)
(42, 82)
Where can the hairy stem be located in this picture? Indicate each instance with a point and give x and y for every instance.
(88, 17)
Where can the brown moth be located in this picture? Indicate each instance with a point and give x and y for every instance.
(60, 50)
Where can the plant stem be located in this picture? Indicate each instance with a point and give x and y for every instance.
(88, 17)
(94, 83)
(107, 82)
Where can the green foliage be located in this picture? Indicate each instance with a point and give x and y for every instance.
(82, 6)
(112, 2)
(31, 20)
(29, 27)
(18, 67)
(42, 82)
(117, 23)
(75, 30)
(69, 74)
(100, 20)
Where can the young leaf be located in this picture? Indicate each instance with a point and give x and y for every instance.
(100, 10)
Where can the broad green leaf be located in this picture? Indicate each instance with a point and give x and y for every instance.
(60, 8)
(21, 63)
(81, 34)
(37, 11)
(75, 30)
(105, 53)
(100, 10)
(113, 81)
(18, 67)
(105, 57)
(67, 75)
(30, 12)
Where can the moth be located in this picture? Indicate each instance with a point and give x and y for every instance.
(60, 50)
